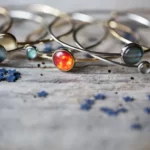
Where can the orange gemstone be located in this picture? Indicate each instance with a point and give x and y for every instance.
(63, 60)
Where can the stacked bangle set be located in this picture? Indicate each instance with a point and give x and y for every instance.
(64, 58)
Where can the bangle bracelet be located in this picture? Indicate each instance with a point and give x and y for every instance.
(120, 27)
(143, 67)
(79, 16)
(41, 9)
(113, 25)
(9, 43)
(64, 59)
(8, 21)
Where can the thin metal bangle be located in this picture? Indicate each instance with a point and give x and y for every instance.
(77, 16)
(9, 37)
(112, 25)
(140, 67)
(120, 26)
(41, 9)
(6, 26)
(30, 16)
(9, 43)
(80, 16)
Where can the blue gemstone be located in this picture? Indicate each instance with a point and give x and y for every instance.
(3, 53)
(132, 54)
(31, 52)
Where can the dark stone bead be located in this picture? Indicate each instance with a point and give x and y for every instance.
(132, 53)
(3, 53)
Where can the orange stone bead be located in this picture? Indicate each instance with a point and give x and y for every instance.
(63, 60)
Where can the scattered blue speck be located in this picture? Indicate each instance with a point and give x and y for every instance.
(100, 97)
(89, 101)
(11, 72)
(122, 110)
(42, 94)
(85, 106)
(109, 111)
(147, 110)
(9, 75)
(128, 99)
(136, 126)
(3, 71)
(17, 75)
(148, 97)
(11, 78)
(112, 112)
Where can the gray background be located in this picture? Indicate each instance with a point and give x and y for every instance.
(70, 5)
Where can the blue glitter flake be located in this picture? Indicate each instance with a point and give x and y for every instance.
(90, 102)
(112, 112)
(100, 97)
(148, 97)
(147, 110)
(42, 94)
(3, 71)
(85, 106)
(136, 126)
(11, 78)
(9, 75)
(17, 75)
(122, 110)
(128, 99)
(109, 111)
(11, 72)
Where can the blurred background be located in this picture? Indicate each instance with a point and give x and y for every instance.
(70, 5)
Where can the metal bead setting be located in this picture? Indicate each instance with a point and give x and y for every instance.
(132, 54)
(63, 60)
(144, 67)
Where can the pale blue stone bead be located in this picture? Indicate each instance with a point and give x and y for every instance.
(31, 52)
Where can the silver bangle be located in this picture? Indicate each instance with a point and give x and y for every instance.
(140, 67)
